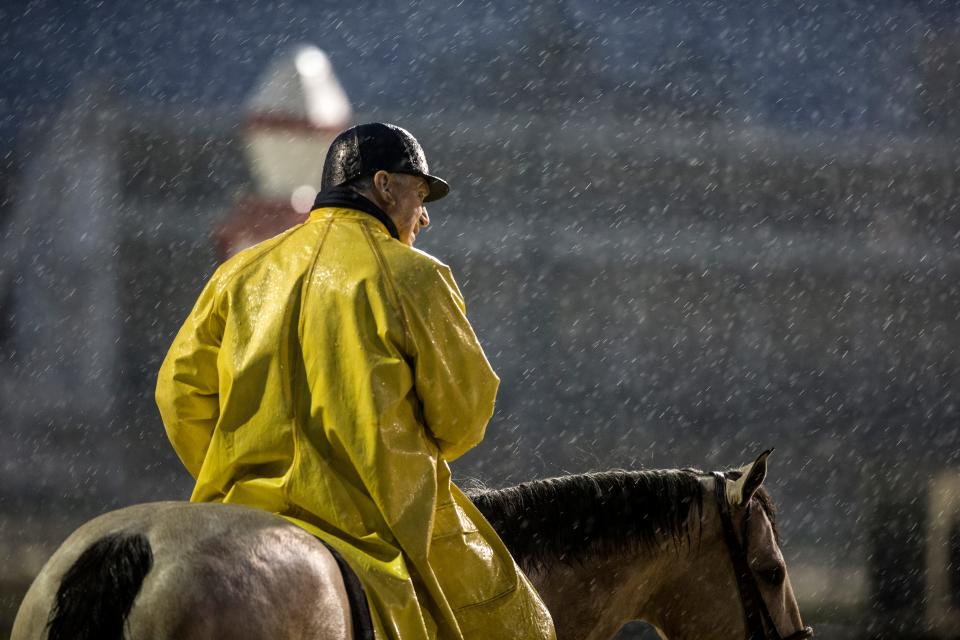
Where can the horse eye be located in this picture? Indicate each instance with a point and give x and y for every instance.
(773, 576)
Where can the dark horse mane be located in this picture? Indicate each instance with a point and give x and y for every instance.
(574, 518)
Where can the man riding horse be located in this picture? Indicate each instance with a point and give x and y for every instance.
(329, 374)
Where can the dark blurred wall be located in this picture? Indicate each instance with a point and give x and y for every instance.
(685, 234)
(839, 65)
(648, 299)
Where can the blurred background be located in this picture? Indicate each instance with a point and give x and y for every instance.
(686, 232)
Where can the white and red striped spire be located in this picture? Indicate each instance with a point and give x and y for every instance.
(295, 111)
(293, 114)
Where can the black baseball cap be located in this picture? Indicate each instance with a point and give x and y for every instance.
(363, 150)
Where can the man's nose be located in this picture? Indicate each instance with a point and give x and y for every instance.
(424, 218)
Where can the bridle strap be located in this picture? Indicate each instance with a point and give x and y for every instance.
(759, 622)
(753, 618)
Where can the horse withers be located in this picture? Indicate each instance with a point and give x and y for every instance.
(695, 555)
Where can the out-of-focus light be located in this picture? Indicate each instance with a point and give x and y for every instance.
(302, 198)
(312, 62)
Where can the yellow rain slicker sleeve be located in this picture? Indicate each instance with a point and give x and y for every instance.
(453, 378)
(187, 393)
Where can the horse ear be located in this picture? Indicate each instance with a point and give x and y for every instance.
(740, 491)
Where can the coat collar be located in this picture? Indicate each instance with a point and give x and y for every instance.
(345, 198)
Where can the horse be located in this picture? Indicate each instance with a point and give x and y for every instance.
(696, 555)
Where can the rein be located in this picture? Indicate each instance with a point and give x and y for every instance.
(760, 625)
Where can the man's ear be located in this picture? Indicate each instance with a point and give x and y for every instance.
(382, 185)
(740, 491)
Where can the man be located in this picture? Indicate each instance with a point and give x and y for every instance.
(329, 374)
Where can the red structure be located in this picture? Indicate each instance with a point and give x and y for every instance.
(253, 220)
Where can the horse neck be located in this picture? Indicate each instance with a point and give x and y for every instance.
(692, 582)
(592, 600)
(592, 542)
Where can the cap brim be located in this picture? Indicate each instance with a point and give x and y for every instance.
(438, 188)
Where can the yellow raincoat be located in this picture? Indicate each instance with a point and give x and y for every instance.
(328, 375)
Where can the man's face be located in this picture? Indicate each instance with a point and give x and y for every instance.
(406, 209)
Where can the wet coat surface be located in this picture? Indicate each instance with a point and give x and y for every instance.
(328, 375)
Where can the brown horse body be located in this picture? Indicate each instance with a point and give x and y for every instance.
(602, 549)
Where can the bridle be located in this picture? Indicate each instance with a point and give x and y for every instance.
(760, 625)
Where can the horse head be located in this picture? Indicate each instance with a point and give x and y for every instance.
(734, 583)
